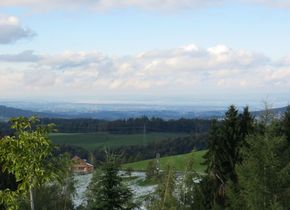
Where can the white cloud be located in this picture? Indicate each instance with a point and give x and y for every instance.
(11, 30)
(108, 4)
(184, 70)
(159, 5)
(25, 56)
(272, 3)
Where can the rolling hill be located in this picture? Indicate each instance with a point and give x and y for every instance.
(8, 112)
(177, 161)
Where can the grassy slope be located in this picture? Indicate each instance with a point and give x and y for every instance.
(93, 140)
(177, 161)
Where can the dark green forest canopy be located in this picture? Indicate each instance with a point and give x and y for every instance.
(131, 125)
(123, 126)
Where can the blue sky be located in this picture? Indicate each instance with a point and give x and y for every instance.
(145, 50)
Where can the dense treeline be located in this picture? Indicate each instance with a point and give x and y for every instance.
(248, 168)
(131, 125)
(5, 129)
(248, 164)
(196, 128)
(176, 146)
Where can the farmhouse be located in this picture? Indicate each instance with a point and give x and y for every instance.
(81, 166)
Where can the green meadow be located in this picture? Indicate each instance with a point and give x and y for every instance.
(91, 141)
(179, 162)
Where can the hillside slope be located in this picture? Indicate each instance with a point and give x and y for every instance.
(179, 162)
(8, 112)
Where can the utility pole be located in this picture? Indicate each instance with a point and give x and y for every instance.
(144, 134)
(157, 162)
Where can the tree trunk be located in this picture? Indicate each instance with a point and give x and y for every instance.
(31, 199)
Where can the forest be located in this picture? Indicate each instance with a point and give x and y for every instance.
(122, 126)
(247, 163)
(130, 125)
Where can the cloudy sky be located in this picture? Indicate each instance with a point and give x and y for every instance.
(163, 51)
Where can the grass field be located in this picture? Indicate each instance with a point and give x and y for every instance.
(177, 161)
(91, 141)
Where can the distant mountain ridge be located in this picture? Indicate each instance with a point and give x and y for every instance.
(276, 111)
(7, 112)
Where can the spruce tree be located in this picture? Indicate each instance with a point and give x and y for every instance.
(212, 186)
(225, 143)
(263, 176)
(231, 136)
(264, 181)
(222, 155)
(107, 191)
(246, 123)
(286, 124)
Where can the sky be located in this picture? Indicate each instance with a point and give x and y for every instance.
(166, 51)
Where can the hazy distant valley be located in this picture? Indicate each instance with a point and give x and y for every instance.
(108, 111)
(116, 111)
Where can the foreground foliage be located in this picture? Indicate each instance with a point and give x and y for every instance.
(248, 163)
(164, 198)
(247, 168)
(107, 191)
(28, 157)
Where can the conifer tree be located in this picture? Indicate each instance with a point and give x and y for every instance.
(263, 176)
(107, 191)
(286, 124)
(214, 183)
(225, 143)
(231, 136)
(246, 123)
(264, 181)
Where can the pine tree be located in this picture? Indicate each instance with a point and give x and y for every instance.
(264, 181)
(231, 136)
(263, 176)
(222, 155)
(214, 183)
(286, 124)
(225, 143)
(246, 123)
(107, 191)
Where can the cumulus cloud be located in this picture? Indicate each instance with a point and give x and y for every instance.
(184, 69)
(272, 3)
(163, 5)
(108, 4)
(25, 56)
(11, 30)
